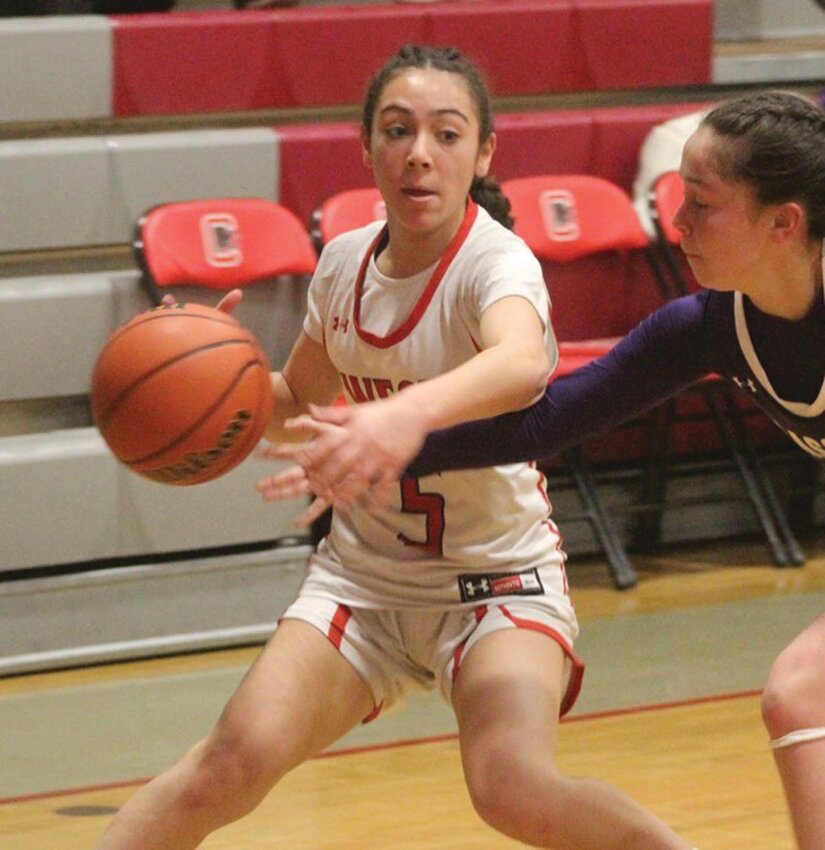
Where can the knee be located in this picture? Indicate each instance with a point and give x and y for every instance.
(793, 696)
(231, 774)
(516, 794)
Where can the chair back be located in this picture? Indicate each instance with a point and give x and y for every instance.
(587, 234)
(220, 243)
(664, 199)
(344, 211)
(565, 217)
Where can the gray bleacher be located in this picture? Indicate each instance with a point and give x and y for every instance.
(775, 40)
(55, 68)
(67, 505)
(89, 191)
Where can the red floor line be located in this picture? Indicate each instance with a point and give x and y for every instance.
(408, 742)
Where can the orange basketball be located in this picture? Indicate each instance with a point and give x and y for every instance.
(181, 393)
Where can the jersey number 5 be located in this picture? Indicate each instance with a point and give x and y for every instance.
(431, 505)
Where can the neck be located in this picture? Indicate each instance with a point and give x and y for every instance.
(789, 292)
(404, 257)
(409, 252)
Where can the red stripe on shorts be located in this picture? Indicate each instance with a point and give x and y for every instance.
(459, 650)
(577, 665)
(338, 625)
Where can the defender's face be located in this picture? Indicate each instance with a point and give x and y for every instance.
(723, 227)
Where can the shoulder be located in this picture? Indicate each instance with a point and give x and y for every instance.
(492, 246)
(351, 241)
(679, 325)
(672, 134)
(347, 247)
(689, 310)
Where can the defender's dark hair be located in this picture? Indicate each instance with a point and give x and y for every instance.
(776, 144)
(485, 191)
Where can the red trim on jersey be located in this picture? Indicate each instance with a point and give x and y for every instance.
(406, 327)
(577, 665)
(338, 625)
(541, 484)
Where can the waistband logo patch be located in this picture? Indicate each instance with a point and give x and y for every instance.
(477, 586)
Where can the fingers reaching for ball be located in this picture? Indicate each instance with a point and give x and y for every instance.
(230, 301)
(226, 305)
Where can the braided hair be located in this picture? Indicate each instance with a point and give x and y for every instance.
(485, 191)
(775, 142)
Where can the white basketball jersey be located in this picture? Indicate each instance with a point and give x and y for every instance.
(450, 537)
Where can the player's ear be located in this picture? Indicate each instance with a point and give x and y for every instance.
(485, 156)
(788, 220)
(366, 150)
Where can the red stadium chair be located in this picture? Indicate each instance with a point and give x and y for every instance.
(220, 244)
(344, 211)
(664, 199)
(565, 219)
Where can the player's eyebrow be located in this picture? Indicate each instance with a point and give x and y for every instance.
(447, 110)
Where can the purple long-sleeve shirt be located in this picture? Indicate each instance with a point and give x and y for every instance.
(779, 363)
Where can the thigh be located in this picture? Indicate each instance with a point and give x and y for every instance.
(541, 617)
(298, 697)
(809, 645)
(508, 693)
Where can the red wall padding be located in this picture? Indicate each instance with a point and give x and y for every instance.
(215, 61)
(318, 160)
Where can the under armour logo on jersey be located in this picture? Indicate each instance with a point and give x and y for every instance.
(340, 324)
(474, 587)
(747, 384)
(558, 211)
(219, 236)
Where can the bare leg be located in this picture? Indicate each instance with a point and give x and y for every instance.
(506, 699)
(794, 701)
(298, 697)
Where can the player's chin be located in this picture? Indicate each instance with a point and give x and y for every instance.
(699, 269)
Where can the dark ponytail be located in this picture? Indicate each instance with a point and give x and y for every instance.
(486, 192)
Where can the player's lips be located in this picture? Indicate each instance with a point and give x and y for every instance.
(417, 192)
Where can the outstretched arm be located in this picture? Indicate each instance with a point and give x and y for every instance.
(665, 353)
(661, 356)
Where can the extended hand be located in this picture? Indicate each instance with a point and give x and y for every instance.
(355, 456)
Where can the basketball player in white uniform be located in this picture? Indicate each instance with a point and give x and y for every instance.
(461, 583)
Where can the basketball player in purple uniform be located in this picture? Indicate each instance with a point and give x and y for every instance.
(752, 226)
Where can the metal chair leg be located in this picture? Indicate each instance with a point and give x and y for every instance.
(784, 546)
(647, 533)
(607, 534)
